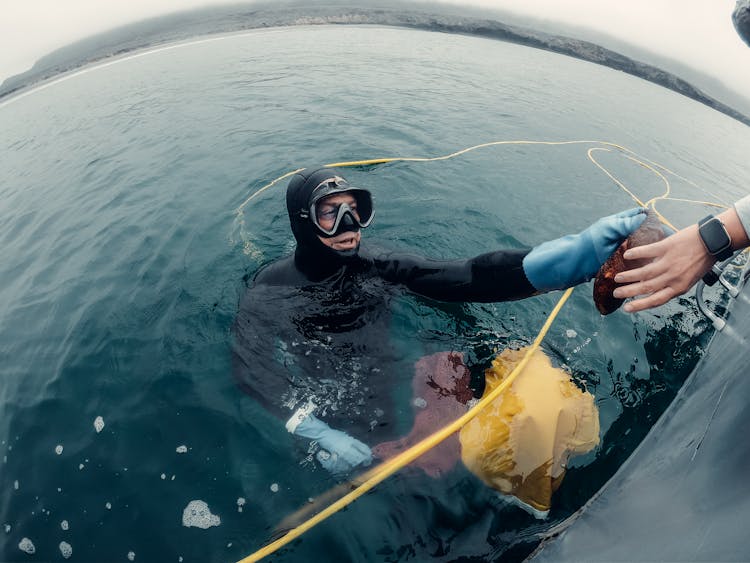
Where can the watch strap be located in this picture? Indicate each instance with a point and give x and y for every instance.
(712, 276)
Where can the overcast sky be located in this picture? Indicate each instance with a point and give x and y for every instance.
(696, 32)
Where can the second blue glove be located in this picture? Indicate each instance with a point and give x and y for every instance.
(340, 452)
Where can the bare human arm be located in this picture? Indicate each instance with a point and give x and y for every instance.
(678, 262)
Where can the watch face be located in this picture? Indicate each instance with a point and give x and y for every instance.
(715, 236)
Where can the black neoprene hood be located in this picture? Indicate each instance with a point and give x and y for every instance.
(299, 197)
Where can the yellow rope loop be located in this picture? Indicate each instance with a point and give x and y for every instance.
(624, 150)
(611, 176)
(376, 475)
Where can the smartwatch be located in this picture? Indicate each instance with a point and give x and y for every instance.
(715, 237)
(717, 241)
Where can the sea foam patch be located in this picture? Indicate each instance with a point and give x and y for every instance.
(65, 549)
(27, 546)
(198, 515)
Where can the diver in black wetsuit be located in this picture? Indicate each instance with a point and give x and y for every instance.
(311, 334)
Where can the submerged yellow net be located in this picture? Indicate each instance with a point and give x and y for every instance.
(521, 443)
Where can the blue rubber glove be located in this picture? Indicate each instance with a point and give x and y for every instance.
(574, 259)
(340, 452)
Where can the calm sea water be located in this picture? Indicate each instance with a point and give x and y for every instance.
(123, 263)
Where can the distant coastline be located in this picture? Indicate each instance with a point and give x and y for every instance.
(182, 26)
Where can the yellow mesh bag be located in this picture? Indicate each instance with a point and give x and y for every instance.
(521, 443)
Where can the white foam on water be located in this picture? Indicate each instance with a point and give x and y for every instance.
(131, 555)
(181, 449)
(172, 478)
(274, 487)
(198, 515)
(59, 489)
(15, 484)
(240, 504)
(58, 449)
(65, 549)
(27, 546)
(419, 402)
(179, 559)
(163, 476)
(64, 525)
(7, 528)
(570, 333)
(98, 424)
(109, 506)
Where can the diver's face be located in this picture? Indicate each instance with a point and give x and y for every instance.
(327, 209)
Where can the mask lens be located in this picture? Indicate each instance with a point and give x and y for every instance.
(364, 207)
(327, 216)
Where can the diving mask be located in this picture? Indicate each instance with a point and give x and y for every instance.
(339, 217)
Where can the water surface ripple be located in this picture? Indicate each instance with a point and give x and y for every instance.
(122, 269)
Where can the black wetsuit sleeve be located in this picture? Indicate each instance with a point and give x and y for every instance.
(261, 360)
(494, 276)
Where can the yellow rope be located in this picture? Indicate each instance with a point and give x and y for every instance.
(241, 208)
(386, 160)
(381, 472)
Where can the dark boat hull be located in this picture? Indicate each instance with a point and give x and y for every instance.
(684, 494)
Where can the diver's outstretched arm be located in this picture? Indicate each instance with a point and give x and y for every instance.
(513, 274)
